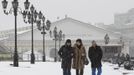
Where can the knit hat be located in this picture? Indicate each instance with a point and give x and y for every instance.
(93, 41)
(68, 41)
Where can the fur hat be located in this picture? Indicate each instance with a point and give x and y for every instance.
(79, 40)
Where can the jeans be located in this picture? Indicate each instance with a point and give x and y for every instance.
(66, 71)
(94, 71)
(79, 72)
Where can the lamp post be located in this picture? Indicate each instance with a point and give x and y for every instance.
(43, 28)
(64, 36)
(15, 9)
(31, 16)
(55, 39)
(58, 36)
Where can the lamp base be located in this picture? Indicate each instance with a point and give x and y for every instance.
(44, 59)
(32, 58)
(15, 63)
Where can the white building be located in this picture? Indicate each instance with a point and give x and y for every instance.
(73, 29)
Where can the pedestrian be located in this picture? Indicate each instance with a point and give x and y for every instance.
(79, 56)
(128, 57)
(95, 55)
(66, 54)
(121, 59)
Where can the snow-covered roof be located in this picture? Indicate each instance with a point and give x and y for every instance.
(72, 29)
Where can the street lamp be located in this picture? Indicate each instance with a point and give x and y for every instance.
(64, 36)
(43, 28)
(26, 4)
(31, 16)
(58, 36)
(14, 9)
(55, 39)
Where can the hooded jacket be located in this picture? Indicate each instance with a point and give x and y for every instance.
(66, 54)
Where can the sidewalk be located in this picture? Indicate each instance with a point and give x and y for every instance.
(51, 68)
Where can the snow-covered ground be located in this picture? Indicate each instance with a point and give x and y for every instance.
(51, 68)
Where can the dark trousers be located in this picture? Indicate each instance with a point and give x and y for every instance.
(66, 71)
(79, 71)
(94, 71)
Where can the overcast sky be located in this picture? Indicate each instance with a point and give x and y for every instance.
(93, 11)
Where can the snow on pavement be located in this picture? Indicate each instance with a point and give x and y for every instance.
(52, 68)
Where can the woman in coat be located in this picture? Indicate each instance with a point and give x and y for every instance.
(66, 54)
(79, 56)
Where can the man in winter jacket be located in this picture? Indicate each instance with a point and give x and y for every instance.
(95, 56)
(66, 54)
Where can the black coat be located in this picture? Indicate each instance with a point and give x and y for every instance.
(95, 56)
(66, 54)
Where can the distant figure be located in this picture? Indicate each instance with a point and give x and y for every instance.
(128, 64)
(95, 56)
(79, 57)
(66, 54)
(106, 38)
(128, 58)
(121, 59)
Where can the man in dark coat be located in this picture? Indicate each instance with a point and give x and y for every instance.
(95, 56)
(66, 54)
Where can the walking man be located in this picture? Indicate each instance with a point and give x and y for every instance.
(66, 54)
(95, 56)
